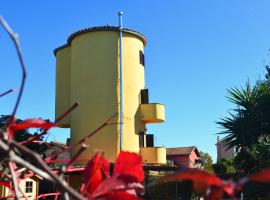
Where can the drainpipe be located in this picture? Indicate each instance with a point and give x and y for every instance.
(121, 78)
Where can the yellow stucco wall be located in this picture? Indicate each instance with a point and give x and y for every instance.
(94, 86)
(62, 90)
(133, 83)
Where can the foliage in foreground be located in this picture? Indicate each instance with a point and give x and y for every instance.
(125, 181)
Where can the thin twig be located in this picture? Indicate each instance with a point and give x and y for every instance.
(75, 105)
(7, 92)
(14, 180)
(61, 183)
(31, 167)
(76, 156)
(14, 38)
(47, 195)
(23, 194)
(83, 139)
(14, 157)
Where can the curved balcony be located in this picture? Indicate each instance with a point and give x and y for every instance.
(153, 155)
(152, 113)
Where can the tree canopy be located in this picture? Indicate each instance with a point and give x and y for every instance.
(207, 161)
(247, 128)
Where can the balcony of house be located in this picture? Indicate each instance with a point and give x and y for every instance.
(153, 155)
(152, 112)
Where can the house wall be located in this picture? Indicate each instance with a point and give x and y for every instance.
(184, 160)
(33, 194)
(192, 158)
(181, 160)
(223, 152)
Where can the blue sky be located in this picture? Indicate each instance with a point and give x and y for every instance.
(196, 50)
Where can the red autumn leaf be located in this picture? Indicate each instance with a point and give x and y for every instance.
(261, 176)
(119, 196)
(130, 165)
(96, 170)
(10, 133)
(215, 194)
(200, 187)
(33, 123)
(229, 187)
(115, 184)
(194, 175)
(202, 181)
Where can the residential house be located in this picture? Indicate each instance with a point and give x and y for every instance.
(29, 186)
(184, 156)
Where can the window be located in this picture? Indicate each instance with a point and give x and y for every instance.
(28, 186)
(141, 58)
(141, 139)
(144, 96)
(149, 140)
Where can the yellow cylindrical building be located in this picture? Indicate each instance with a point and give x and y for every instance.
(87, 71)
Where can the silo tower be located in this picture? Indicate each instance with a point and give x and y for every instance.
(88, 72)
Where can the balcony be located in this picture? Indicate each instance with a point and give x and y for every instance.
(152, 113)
(153, 155)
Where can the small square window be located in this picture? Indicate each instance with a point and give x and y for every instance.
(141, 58)
(28, 186)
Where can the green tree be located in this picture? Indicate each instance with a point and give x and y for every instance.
(225, 166)
(248, 123)
(255, 158)
(207, 161)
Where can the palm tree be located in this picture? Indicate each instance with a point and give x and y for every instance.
(241, 127)
(248, 122)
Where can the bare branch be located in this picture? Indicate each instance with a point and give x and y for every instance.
(7, 92)
(23, 194)
(76, 156)
(75, 105)
(14, 180)
(15, 40)
(61, 183)
(83, 139)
